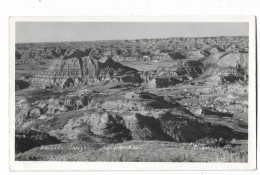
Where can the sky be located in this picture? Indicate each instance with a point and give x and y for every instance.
(90, 31)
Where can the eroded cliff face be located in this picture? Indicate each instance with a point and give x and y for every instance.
(227, 59)
(226, 68)
(83, 70)
(216, 69)
(177, 73)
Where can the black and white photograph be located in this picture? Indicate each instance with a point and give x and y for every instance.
(154, 91)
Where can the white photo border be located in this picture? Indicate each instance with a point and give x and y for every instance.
(80, 166)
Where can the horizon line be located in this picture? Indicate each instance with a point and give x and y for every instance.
(131, 39)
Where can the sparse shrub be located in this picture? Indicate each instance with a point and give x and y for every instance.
(213, 142)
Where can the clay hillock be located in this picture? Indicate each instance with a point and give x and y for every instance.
(179, 72)
(227, 75)
(225, 67)
(226, 59)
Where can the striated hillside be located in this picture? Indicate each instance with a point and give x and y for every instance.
(83, 70)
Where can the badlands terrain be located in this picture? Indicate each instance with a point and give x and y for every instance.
(168, 100)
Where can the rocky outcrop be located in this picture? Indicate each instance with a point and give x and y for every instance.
(145, 128)
(37, 55)
(227, 75)
(130, 101)
(111, 127)
(84, 70)
(117, 117)
(234, 60)
(74, 53)
(222, 68)
(218, 68)
(102, 125)
(179, 72)
(27, 113)
(27, 140)
(191, 69)
(226, 59)
(20, 84)
(162, 82)
(22, 112)
(198, 54)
